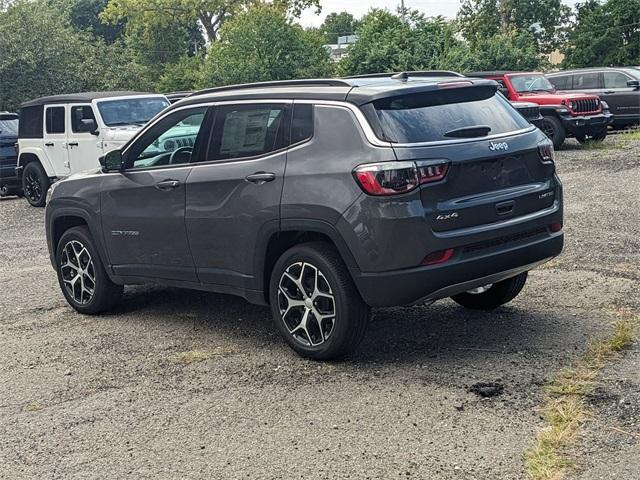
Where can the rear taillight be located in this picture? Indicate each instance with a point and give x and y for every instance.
(546, 151)
(555, 227)
(392, 178)
(440, 256)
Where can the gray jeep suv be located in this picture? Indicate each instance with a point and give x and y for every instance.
(320, 198)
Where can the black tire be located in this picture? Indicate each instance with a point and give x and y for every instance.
(499, 294)
(552, 128)
(35, 184)
(105, 293)
(350, 314)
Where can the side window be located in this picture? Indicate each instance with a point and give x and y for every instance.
(82, 119)
(583, 81)
(301, 123)
(615, 80)
(561, 82)
(242, 131)
(171, 141)
(55, 119)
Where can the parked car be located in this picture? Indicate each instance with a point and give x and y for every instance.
(9, 184)
(321, 198)
(530, 111)
(619, 87)
(578, 115)
(65, 134)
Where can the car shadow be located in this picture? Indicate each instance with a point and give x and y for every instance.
(443, 331)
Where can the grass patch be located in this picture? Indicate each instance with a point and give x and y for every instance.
(565, 409)
(595, 145)
(196, 356)
(630, 135)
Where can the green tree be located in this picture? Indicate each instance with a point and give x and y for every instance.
(210, 13)
(504, 51)
(337, 25)
(387, 44)
(604, 34)
(544, 19)
(183, 75)
(43, 55)
(263, 44)
(83, 16)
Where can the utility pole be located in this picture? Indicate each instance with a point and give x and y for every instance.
(402, 10)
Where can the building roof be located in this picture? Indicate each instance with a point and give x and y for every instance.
(78, 97)
(358, 90)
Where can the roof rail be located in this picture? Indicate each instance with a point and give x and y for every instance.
(416, 73)
(319, 82)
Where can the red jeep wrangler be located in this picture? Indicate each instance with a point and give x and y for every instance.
(578, 115)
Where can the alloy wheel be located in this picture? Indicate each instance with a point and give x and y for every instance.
(78, 272)
(548, 130)
(32, 187)
(307, 304)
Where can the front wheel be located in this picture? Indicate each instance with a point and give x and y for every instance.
(552, 128)
(492, 296)
(81, 274)
(35, 184)
(315, 304)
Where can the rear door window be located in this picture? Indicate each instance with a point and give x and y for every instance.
(245, 130)
(584, 81)
(436, 116)
(55, 120)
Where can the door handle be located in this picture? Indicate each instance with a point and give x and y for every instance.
(261, 178)
(48, 144)
(505, 208)
(73, 144)
(166, 185)
(609, 92)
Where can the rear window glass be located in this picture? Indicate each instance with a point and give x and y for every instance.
(8, 126)
(415, 119)
(30, 122)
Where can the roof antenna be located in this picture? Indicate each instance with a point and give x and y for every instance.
(402, 76)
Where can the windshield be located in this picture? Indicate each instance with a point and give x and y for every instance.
(131, 111)
(531, 83)
(9, 127)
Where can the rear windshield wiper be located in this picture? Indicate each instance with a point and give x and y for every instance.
(469, 132)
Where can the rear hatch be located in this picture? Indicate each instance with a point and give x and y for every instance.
(495, 172)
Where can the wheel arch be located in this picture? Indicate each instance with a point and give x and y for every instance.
(29, 155)
(296, 232)
(64, 219)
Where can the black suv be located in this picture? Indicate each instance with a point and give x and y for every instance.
(321, 198)
(618, 87)
(9, 182)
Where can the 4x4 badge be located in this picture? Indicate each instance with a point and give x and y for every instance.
(498, 146)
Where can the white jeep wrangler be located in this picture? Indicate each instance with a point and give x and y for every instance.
(65, 134)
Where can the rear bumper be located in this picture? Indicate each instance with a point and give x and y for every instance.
(584, 125)
(462, 273)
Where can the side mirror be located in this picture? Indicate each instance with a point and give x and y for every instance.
(111, 161)
(635, 84)
(89, 125)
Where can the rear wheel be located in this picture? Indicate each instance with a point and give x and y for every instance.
(35, 184)
(81, 274)
(492, 296)
(315, 305)
(552, 128)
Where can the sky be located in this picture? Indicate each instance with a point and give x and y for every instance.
(431, 8)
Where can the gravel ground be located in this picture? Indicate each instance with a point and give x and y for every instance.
(125, 395)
